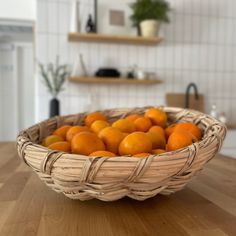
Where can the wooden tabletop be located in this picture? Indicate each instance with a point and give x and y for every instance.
(207, 206)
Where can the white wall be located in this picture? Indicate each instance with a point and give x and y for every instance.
(18, 9)
(199, 46)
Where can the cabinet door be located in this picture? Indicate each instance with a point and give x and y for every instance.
(8, 93)
(16, 90)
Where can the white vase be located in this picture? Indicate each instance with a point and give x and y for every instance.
(74, 21)
(149, 28)
(141, 75)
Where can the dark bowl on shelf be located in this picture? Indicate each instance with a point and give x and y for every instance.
(107, 72)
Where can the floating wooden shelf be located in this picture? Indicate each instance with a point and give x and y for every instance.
(102, 80)
(101, 38)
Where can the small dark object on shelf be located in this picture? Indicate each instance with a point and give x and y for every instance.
(130, 75)
(107, 72)
(90, 26)
(132, 72)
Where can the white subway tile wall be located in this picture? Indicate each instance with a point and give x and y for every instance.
(199, 46)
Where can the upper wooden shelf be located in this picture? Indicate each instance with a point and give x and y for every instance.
(102, 80)
(102, 38)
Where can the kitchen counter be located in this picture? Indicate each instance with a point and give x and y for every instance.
(207, 206)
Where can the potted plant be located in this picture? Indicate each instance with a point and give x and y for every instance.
(148, 14)
(54, 77)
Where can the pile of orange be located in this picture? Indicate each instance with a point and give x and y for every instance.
(135, 135)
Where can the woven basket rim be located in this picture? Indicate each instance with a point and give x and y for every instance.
(23, 134)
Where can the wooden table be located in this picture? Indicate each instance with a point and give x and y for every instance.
(28, 207)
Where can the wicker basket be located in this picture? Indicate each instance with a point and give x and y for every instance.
(112, 178)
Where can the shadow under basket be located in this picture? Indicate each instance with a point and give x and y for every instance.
(112, 178)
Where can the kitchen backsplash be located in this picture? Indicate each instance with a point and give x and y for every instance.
(199, 46)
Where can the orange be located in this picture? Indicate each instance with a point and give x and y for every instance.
(86, 143)
(158, 151)
(158, 140)
(125, 134)
(124, 125)
(135, 143)
(111, 137)
(133, 117)
(102, 154)
(169, 130)
(98, 125)
(142, 154)
(157, 129)
(191, 128)
(180, 139)
(52, 139)
(157, 116)
(142, 124)
(63, 146)
(90, 118)
(62, 131)
(75, 130)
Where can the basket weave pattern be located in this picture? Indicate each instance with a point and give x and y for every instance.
(111, 178)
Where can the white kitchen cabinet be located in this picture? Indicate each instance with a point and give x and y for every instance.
(16, 89)
(24, 10)
(229, 146)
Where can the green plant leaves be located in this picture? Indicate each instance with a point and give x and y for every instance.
(149, 9)
(54, 76)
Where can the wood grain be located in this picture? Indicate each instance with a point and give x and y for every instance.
(101, 80)
(207, 206)
(120, 39)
